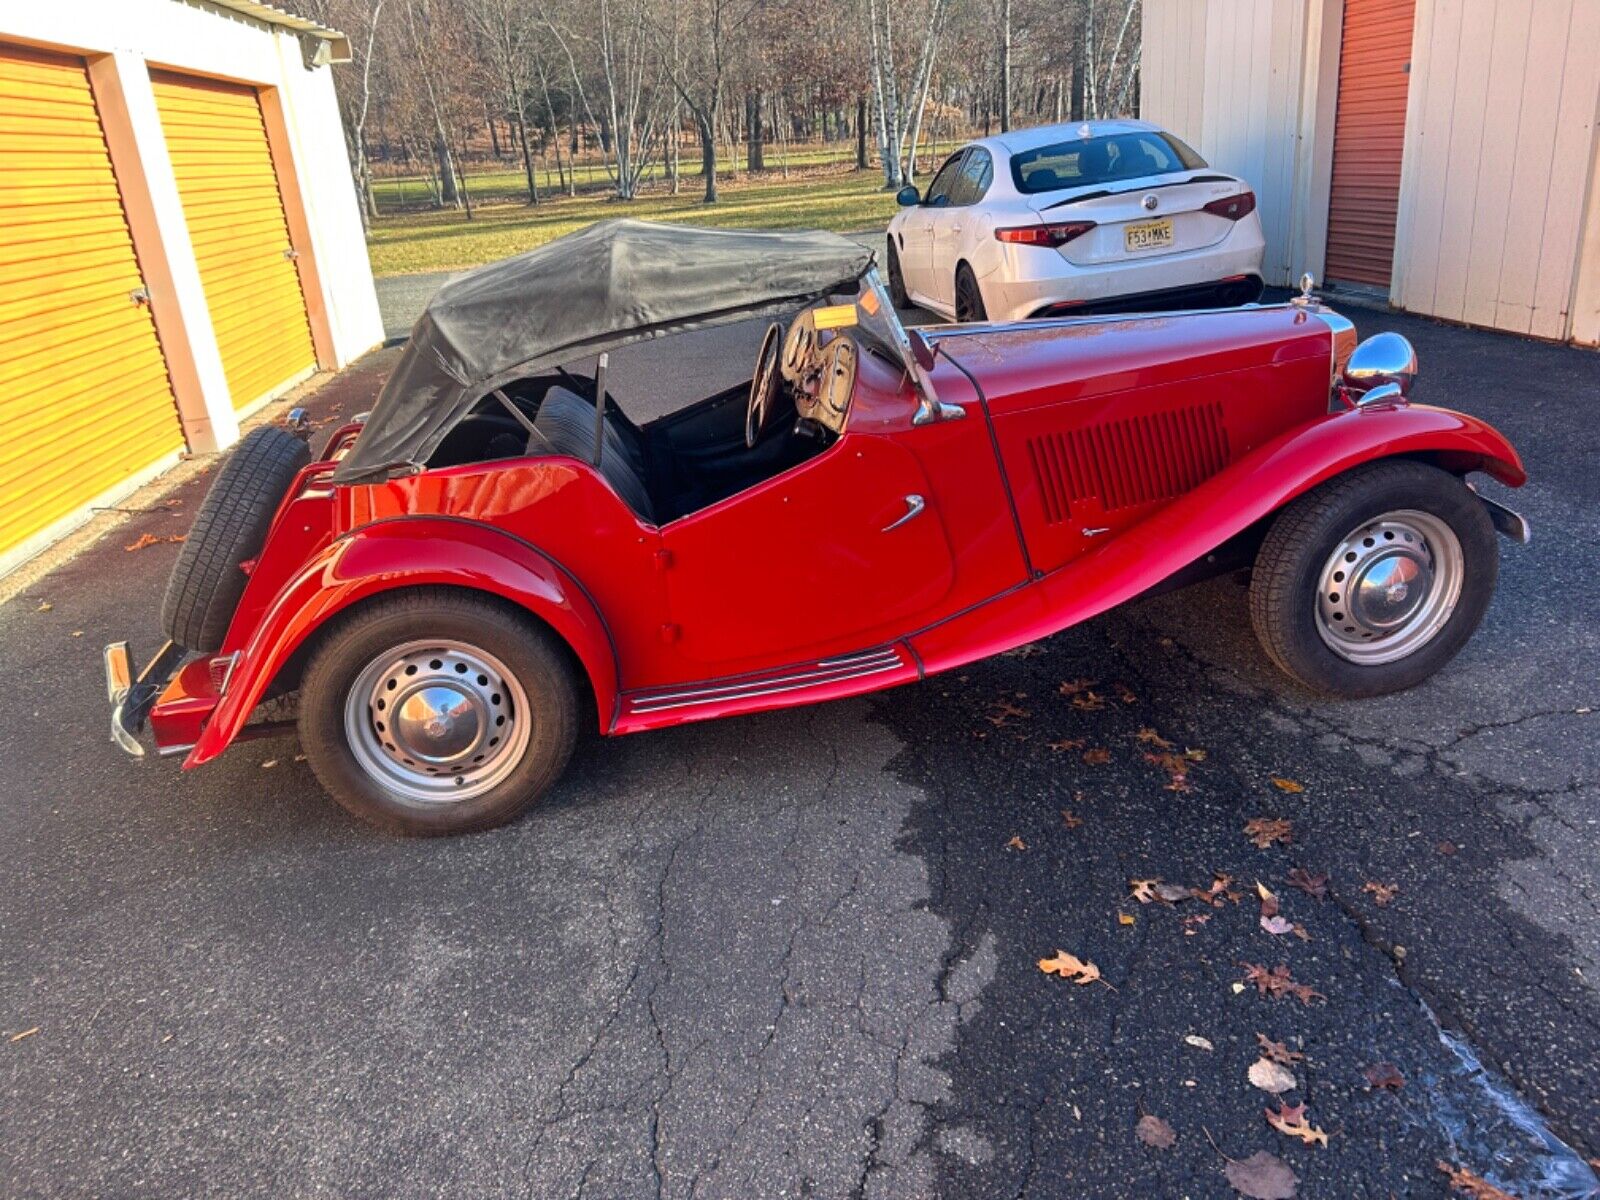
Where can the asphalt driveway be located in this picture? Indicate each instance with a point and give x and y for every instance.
(796, 954)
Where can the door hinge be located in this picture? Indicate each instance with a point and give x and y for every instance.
(139, 295)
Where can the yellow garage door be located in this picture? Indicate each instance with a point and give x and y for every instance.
(231, 202)
(85, 401)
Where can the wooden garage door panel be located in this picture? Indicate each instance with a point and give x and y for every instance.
(85, 400)
(1369, 133)
(218, 145)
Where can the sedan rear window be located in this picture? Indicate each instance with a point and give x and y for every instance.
(1100, 160)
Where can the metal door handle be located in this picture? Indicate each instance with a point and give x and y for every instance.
(914, 506)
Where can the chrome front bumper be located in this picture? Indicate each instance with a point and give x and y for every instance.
(1507, 521)
(132, 699)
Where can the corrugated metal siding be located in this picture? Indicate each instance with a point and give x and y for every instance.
(1225, 75)
(1369, 140)
(1500, 145)
(231, 202)
(85, 401)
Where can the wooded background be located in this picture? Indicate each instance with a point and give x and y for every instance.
(672, 94)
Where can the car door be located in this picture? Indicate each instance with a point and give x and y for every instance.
(948, 234)
(916, 250)
(844, 551)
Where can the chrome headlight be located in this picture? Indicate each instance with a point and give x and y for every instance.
(1380, 368)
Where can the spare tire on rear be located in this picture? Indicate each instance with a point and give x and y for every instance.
(230, 528)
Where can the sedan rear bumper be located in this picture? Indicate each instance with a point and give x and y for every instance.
(1224, 293)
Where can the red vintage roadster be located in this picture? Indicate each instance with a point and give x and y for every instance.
(497, 554)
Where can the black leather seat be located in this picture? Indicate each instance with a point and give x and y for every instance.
(566, 423)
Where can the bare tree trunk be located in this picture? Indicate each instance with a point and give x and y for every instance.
(705, 123)
(755, 158)
(861, 132)
(1005, 65)
(449, 192)
(527, 154)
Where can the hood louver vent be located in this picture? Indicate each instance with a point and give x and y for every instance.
(1123, 464)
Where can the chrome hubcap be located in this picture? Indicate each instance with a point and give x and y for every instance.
(437, 721)
(1389, 587)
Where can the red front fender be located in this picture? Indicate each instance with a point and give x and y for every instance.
(1228, 503)
(411, 552)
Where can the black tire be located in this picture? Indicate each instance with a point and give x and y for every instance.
(1285, 583)
(230, 527)
(530, 653)
(897, 282)
(969, 297)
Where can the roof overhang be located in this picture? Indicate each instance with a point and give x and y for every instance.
(323, 45)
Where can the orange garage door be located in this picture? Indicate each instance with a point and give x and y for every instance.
(1369, 132)
(85, 401)
(218, 144)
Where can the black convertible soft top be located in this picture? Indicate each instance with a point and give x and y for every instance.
(613, 283)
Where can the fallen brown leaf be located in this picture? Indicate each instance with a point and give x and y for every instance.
(1155, 1132)
(1198, 1042)
(1097, 757)
(1002, 711)
(1191, 923)
(1278, 983)
(1287, 785)
(44, 606)
(1278, 1052)
(1144, 890)
(1194, 755)
(1173, 892)
(1291, 1121)
(1446, 848)
(1070, 819)
(1016, 843)
(1473, 1186)
(1278, 926)
(150, 539)
(1218, 891)
(1270, 1076)
(1382, 893)
(1264, 831)
(1151, 738)
(1071, 687)
(1089, 702)
(1124, 918)
(1311, 885)
(1069, 967)
(1384, 1075)
(1269, 902)
(1125, 694)
(1262, 1176)
(1067, 744)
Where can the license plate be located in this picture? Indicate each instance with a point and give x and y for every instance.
(1147, 235)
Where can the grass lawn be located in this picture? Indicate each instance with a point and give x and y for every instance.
(818, 198)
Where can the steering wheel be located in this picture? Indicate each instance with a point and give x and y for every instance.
(763, 385)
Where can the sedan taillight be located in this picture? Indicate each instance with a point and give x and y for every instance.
(1233, 207)
(1057, 234)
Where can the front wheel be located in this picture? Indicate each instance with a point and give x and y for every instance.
(1372, 582)
(435, 712)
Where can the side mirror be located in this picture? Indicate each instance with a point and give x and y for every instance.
(908, 197)
(1381, 368)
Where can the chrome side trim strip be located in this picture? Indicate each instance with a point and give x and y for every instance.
(825, 671)
(755, 693)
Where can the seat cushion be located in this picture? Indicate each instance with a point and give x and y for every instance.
(566, 422)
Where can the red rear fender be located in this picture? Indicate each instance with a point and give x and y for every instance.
(401, 553)
(1228, 503)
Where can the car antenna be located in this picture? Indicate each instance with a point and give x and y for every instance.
(599, 406)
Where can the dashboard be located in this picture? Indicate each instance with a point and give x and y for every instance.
(819, 365)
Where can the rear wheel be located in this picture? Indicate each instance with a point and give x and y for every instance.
(437, 712)
(897, 282)
(231, 526)
(969, 299)
(1372, 582)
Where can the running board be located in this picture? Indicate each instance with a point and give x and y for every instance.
(798, 683)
